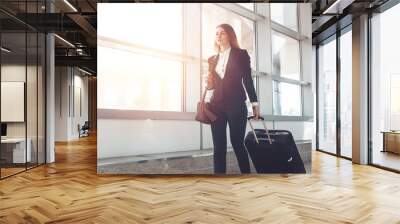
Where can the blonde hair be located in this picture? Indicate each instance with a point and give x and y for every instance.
(231, 36)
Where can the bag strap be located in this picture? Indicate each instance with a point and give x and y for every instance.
(211, 69)
(265, 127)
(203, 97)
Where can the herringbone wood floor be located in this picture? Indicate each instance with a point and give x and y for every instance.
(70, 191)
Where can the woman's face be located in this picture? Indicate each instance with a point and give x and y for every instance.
(221, 37)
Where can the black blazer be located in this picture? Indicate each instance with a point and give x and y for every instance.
(229, 90)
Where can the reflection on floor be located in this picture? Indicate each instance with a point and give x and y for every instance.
(8, 169)
(346, 152)
(387, 159)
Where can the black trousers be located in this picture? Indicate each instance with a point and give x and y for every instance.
(236, 118)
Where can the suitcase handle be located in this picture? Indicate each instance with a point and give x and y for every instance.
(265, 127)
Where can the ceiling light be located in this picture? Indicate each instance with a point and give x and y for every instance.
(5, 50)
(331, 7)
(64, 40)
(70, 5)
(337, 7)
(86, 72)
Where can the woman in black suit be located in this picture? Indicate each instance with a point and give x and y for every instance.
(229, 71)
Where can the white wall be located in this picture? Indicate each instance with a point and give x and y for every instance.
(67, 115)
(80, 83)
(136, 137)
(61, 103)
(116, 138)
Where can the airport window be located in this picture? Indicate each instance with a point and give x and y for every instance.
(155, 34)
(285, 56)
(284, 14)
(179, 49)
(138, 84)
(286, 69)
(287, 99)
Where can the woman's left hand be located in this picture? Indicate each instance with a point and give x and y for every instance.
(256, 111)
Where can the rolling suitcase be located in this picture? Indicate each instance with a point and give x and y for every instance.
(273, 151)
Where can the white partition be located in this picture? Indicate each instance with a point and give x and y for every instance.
(116, 138)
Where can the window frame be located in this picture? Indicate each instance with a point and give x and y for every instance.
(257, 16)
(333, 37)
(39, 47)
(180, 57)
(297, 36)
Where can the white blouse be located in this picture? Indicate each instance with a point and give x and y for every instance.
(223, 57)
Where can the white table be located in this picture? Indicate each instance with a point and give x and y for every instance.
(19, 155)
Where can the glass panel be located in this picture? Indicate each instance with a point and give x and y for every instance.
(327, 97)
(284, 14)
(346, 94)
(31, 100)
(13, 80)
(249, 6)
(285, 56)
(138, 86)
(287, 99)
(41, 98)
(394, 102)
(385, 84)
(31, 90)
(161, 34)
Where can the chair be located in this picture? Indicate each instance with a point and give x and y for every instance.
(84, 130)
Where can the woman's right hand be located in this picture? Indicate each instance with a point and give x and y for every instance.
(256, 111)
